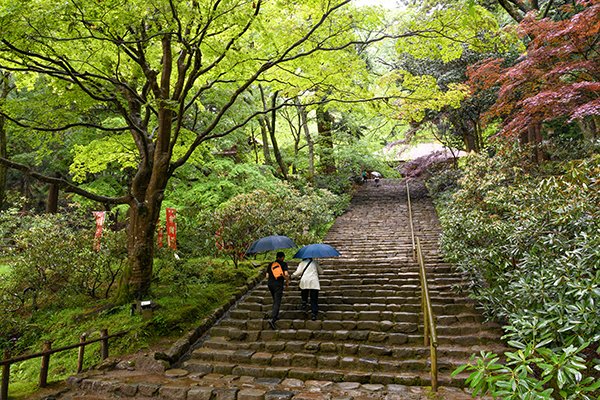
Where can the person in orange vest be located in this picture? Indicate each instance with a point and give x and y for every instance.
(278, 276)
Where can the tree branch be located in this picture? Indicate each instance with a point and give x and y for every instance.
(63, 128)
(67, 186)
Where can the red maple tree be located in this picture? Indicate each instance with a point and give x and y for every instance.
(558, 76)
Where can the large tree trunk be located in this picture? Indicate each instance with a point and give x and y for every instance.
(264, 133)
(590, 127)
(5, 89)
(324, 126)
(52, 204)
(140, 246)
(147, 191)
(470, 141)
(276, 152)
(309, 141)
(3, 168)
(534, 138)
(269, 126)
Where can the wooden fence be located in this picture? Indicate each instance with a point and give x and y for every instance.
(45, 354)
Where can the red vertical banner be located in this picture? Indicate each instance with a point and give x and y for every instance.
(160, 233)
(171, 229)
(99, 216)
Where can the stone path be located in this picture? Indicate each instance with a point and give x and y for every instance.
(367, 342)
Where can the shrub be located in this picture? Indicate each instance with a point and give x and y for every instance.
(532, 372)
(425, 166)
(54, 265)
(530, 244)
(247, 217)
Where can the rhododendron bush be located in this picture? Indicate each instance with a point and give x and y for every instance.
(527, 239)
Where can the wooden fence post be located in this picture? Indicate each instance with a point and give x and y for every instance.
(104, 344)
(45, 364)
(81, 352)
(5, 377)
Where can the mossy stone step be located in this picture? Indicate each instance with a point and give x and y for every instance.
(406, 350)
(415, 378)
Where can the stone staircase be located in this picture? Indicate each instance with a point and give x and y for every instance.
(368, 339)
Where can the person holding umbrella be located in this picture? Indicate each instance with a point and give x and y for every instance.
(309, 271)
(278, 276)
(277, 271)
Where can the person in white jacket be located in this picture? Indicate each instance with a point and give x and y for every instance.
(309, 271)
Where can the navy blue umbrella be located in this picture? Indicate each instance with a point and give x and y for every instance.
(269, 243)
(317, 250)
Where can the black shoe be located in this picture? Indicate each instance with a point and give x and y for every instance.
(304, 307)
(313, 318)
(272, 324)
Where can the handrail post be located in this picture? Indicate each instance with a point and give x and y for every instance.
(410, 220)
(104, 344)
(434, 369)
(430, 335)
(81, 352)
(45, 364)
(5, 377)
(424, 296)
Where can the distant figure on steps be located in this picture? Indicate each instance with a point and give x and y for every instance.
(376, 176)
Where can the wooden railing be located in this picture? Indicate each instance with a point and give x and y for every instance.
(429, 328)
(45, 354)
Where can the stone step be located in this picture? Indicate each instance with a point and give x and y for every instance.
(417, 378)
(388, 269)
(394, 303)
(292, 302)
(363, 291)
(404, 313)
(214, 386)
(456, 329)
(292, 299)
(369, 291)
(410, 335)
(370, 363)
(388, 284)
(330, 308)
(412, 304)
(397, 266)
(406, 350)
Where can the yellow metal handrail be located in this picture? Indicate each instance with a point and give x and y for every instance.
(410, 220)
(430, 333)
(429, 329)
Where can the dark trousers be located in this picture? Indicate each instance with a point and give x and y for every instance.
(276, 289)
(314, 299)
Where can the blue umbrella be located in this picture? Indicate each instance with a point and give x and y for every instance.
(317, 250)
(269, 243)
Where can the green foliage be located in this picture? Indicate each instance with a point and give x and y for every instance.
(451, 29)
(186, 291)
(447, 37)
(4, 269)
(97, 155)
(443, 181)
(54, 265)
(529, 241)
(218, 193)
(181, 275)
(215, 182)
(532, 372)
(247, 217)
(419, 93)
